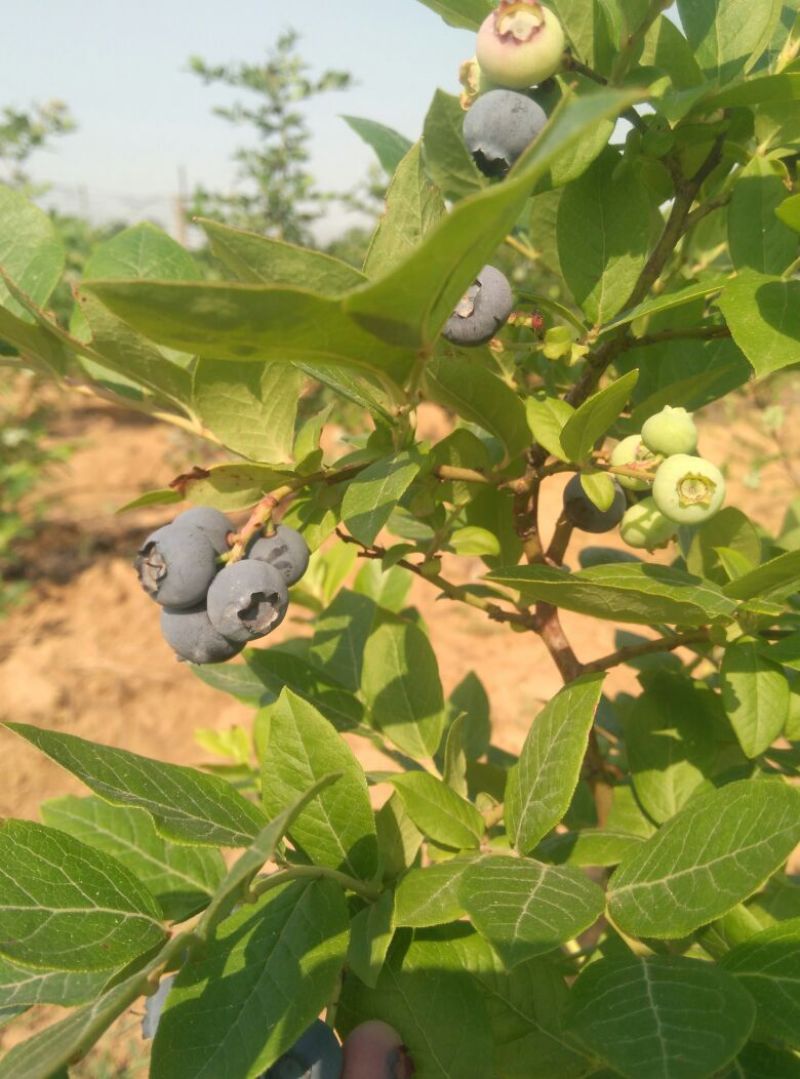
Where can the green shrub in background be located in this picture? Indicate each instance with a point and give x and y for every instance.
(461, 912)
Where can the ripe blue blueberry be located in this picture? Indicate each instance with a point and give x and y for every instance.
(499, 126)
(176, 564)
(520, 44)
(192, 637)
(285, 549)
(688, 489)
(670, 431)
(315, 1055)
(582, 512)
(374, 1050)
(246, 600)
(482, 310)
(214, 524)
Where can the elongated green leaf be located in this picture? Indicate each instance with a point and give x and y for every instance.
(595, 416)
(660, 1015)
(250, 407)
(789, 212)
(604, 221)
(764, 90)
(264, 260)
(413, 206)
(371, 934)
(591, 846)
(477, 395)
(760, 1061)
(465, 14)
(233, 486)
(667, 301)
(66, 906)
(425, 991)
(623, 593)
(447, 158)
(547, 417)
(186, 804)
(438, 811)
(763, 314)
(728, 34)
(716, 852)
(781, 574)
(23, 986)
(340, 635)
(30, 250)
(768, 966)
(337, 827)
(757, 238)
(755, 693)
(373, 494)
(412, 303)
(257, 986)
(402, 689)
(389, 145)
(526, 908)
(540, 786)
(730, 528)
(277, 669)
(182, 878)
(429, 896)
(387, 588)
(669, 736)
(33, 341)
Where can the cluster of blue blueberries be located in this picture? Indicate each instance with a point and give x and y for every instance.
(212, 609)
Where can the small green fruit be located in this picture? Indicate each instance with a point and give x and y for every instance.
(631, 452)
(520, 44)
(671, 430)
(688, 489)
(644, 525)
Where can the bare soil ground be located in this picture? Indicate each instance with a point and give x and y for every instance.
(83, 653)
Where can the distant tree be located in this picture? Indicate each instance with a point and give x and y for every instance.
(22, 132)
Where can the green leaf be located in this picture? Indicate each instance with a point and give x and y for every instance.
(598, 847)
(267, 261)
(438, 812)
(340, 635)
(727, 37)
(757, 238)
(23, 987)
(30, 251)
(578, 19)
(470, 699)
(465, 14)
(413, 207)
(217, 320)
(387, 588)
(447, 158)
(277, 669)
(668, 301)
(712, 855)
(401, 687)
(730, 528)
(779, 575)
(472, 540)
(389, 145)
(763, 315)
(540, 786)
(660, 1015)
(627, 592)
(604, 224)
(789, 212)
(373, 494)
(475, 394)
(768, 967)
(232, 487)
(337, 828)
(266, 975)
(760, 1061)
(180, 877)
(595, 416)
(66, 906)
(478, 396)
(526, 908)
(547, 418)
(755, 694)
(669, 737)
(371, 934)
(429, 896)
(424, 991)
(250, 407)
(413, 301)
(187, 805)
(599, 489)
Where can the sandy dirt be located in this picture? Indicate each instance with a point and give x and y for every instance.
(83, 654)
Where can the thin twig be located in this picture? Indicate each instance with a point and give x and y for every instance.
(648, 648)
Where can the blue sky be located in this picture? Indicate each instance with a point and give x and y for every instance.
(122, 69)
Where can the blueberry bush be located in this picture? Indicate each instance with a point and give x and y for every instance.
(612, 901)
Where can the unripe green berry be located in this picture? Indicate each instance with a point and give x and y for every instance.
(688, 489)
(520, 44)
(631, 452)
(644, 525)
(671, 430)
